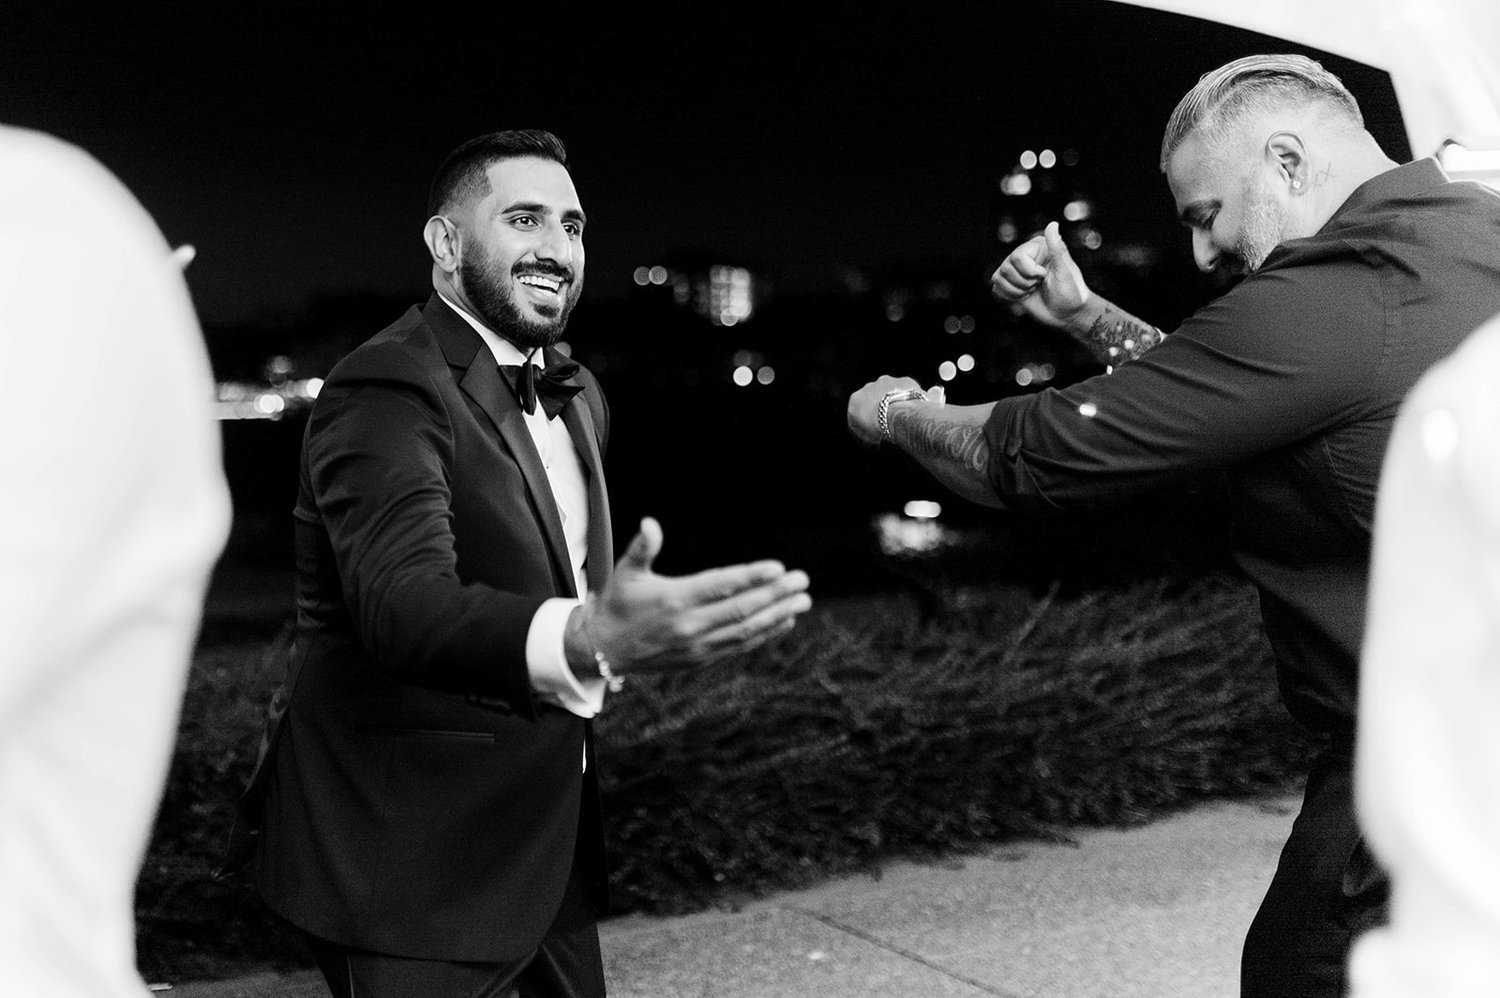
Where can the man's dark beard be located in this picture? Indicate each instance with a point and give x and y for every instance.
(497, 307)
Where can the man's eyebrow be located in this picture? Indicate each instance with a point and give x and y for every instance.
(532, 207)
(537, 208)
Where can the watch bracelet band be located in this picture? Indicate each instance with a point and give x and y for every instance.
(883, 411)
(612, 680)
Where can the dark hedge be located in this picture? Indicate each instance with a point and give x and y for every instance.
(851, 741)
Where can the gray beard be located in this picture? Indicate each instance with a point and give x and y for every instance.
(1264, 229)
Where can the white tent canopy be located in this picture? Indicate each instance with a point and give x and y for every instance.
(1441, 54)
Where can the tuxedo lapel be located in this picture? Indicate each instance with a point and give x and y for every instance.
(601, 534)
(489, 391)
(482, 382)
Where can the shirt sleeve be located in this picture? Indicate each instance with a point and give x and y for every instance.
(1282, 356)
(548, 664)
(379, 449)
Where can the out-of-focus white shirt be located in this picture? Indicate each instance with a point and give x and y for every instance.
(1428, 761)
(113, 508)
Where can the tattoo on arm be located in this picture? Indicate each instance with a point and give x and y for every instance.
(924, 436)
(1117, 338)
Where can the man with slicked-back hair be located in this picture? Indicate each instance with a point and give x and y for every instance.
(1360, 274)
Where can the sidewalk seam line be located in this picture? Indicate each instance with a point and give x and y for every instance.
(900, 951)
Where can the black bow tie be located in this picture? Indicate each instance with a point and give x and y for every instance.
(549, 384)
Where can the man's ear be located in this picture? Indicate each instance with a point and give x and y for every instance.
(441, 237)
(1285, 151)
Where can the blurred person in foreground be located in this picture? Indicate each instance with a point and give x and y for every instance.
(1360, 274)
(113, 508)
(431, 814)
(1427, 764)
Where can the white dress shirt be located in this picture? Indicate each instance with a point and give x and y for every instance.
(545, 657)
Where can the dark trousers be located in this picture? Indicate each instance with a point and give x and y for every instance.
(567, 964)
(1326, 892)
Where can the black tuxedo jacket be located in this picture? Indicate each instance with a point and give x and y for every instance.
(419, 799)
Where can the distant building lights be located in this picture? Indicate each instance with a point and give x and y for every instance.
(894, 312)
(1024, 377)
(1070, 157)
(1007, 232)
(1047, 160)
(1092, 239)
(947, 370)
(923, 509)
(966, 324)
(1077, 211)
(951, 324)
(729, 295)
(766, 375)
(1045, 372)
(247, 400)
(1028, 160)
(658, 274)
(743, 358)
(743, 375)
(966, 362)
(642, 276)
(905, 536)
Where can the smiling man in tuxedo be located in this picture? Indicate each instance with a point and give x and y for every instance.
(430, 812)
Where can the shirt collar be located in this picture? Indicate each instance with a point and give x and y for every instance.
(1401, 181)
(504, 350)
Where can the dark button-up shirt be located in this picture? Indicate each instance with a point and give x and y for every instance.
(1290, 381)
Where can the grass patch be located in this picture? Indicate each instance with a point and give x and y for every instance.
(847, 743)
(188, 926)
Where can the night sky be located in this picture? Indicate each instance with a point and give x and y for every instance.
(294, 149)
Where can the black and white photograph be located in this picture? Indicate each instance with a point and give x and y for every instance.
(831, 500)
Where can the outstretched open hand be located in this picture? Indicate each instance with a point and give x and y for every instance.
(643, 621)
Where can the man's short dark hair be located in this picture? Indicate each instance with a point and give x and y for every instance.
(464, 174)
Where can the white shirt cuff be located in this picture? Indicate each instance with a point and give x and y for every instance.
(547, 662)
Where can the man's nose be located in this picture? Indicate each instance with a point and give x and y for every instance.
(1205, 253)
(555, 244)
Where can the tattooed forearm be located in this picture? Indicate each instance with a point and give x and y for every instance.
(1117, 338)
(924, 436)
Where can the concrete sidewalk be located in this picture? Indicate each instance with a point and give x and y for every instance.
(1152, 912)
